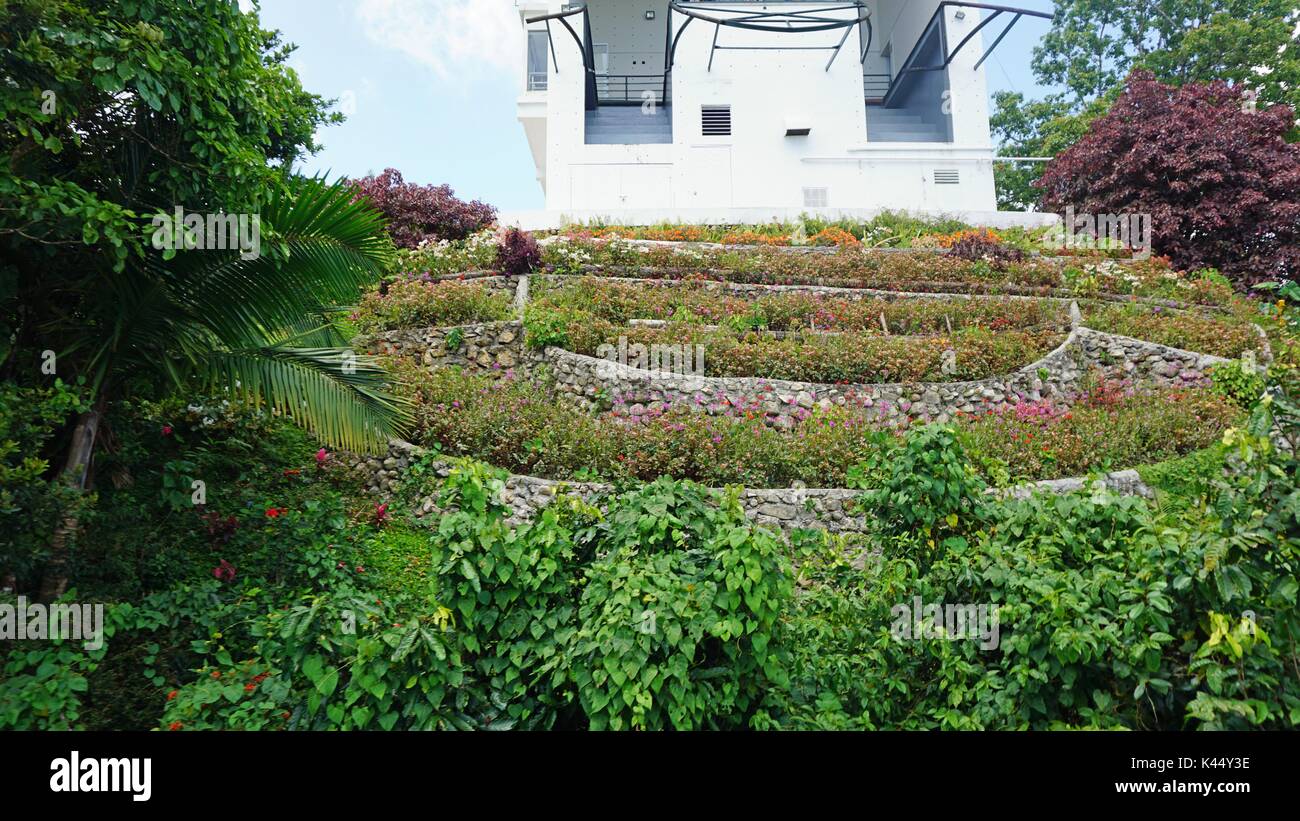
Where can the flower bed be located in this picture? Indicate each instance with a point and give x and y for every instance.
(964, 356)
(418, 304)
(697, 303)
(855, 268)
(1112, 426)
(519, 424)
(893, 229)
(1218, 335)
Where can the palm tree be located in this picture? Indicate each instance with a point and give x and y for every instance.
(260, 328)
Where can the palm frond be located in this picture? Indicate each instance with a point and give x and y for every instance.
(341, 398)
(321, 247)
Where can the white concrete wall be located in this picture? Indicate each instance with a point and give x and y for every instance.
(636, 45)
(758, 166)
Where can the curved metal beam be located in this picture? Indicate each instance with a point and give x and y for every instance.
(801, 22)
(672, 55)
(547, 18)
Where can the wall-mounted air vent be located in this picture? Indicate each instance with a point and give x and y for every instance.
(715, 120)
(816, 198)
(945, 176)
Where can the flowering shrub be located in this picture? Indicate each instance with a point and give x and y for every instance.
(417, 213)
(835, 236)
(416, 304)
(432, 259)
(518, 253)
(1110, 427)
(754, 238)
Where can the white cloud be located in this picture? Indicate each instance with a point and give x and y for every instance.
(454, 38)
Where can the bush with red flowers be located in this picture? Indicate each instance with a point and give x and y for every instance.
(417, 213)
(1219, 181)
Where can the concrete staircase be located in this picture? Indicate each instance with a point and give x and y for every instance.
(628, 125)
(897, 125)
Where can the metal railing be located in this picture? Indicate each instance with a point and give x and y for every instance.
(875, 86)
(909, 66)
(538, 80)
(631, 89)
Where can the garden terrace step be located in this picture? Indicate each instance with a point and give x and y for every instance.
(786, 509)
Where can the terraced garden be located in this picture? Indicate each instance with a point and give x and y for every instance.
(794, 367)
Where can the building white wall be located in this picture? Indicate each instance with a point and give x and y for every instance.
(759, 166)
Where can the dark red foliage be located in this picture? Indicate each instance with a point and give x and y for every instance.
(1221, 185)
(423, 212)
(518, 253)
(974, 246)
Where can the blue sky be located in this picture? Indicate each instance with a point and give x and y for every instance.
(429, 87)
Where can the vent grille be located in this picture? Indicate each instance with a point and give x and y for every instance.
(715, 120)
(946, 177)
(816, 198)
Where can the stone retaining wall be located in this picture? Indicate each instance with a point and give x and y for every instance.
(492, 346)
(591, 381)
(785, 509)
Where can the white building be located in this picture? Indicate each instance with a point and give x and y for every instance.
(663, 108)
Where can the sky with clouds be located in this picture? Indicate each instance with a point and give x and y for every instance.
(429, 87)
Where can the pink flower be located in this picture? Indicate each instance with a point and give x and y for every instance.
(321, 456)
(166, 430)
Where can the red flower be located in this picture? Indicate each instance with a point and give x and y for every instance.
(381, 513)
(248, 688)
(276, 512)
(166, 430)
(292, 472)
(175, 725)
(224, 572)
(172, 695)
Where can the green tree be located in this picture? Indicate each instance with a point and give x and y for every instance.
(1093, 44)
(117, 111)
(1038, 128)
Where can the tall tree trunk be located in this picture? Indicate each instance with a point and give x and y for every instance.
(75, 472)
